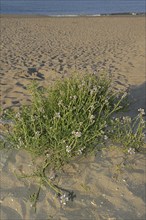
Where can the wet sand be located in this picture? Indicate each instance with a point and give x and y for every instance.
(109, 185)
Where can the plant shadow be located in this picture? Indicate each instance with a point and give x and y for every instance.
(137, 98)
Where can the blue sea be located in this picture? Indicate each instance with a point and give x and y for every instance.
(72, 7)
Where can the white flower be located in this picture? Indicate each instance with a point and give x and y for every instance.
(78, 134)
(131, 150)
(37, 133)
(45, 117)
(18, 115)
(81, 85)
(91, 107)
(20, 142)
(80, 151)
(68, 149)
(142, 121)
(106, 102)
(105, 137)
(93, 90)
(57, 115)
(81, 123)
(91, 117)
(73, 132)
(141, 111)
(126, 119)
(143, 136)
(102, 132)
(41, 110)
(64, 199)
(74, 97)
(60, 103)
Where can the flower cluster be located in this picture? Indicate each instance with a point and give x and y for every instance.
(60, 103)
(74, 97)
(105, 137)
(131, 150)
(93, 90)
(18, 115)
(20, 143)
(57, 115)
(92, 107)
(68, 149)
(81, 85)
(41, 109)
(63, 199)
(141, 111)
(91, 118)
(37, 134)
(80, 151)
(126, 119)
(77, 133)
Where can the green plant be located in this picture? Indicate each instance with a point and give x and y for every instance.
(72, 117)
(128, 131)
(66, 120)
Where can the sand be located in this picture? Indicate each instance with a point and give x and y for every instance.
(107, 186)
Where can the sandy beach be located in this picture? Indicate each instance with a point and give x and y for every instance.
(108, 186)
(38, 47)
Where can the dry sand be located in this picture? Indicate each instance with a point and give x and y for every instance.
(107, 186)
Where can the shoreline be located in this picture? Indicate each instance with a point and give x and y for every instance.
(75, 15)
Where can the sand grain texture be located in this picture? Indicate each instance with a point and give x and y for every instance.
(36, 47)
(107, 187)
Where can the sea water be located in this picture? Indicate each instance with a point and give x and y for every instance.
(72, 7)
